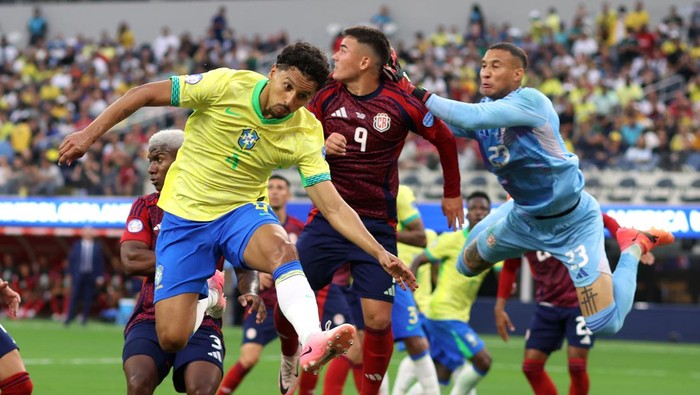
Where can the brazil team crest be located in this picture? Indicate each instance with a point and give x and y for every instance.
(248, 139)
(382, 122)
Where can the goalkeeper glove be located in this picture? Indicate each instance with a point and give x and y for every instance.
(393, 71)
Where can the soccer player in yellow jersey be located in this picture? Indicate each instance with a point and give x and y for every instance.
(452, 340)
(406, 319)
(243, 127)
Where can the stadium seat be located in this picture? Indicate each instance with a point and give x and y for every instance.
(691, 194)
(413, 181)
(434, 190)
(625, 190)
(661, 192)
(593, 186)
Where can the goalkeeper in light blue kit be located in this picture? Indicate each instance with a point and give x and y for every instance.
(517, 130)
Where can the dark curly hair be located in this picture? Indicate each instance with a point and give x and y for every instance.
(308, 59)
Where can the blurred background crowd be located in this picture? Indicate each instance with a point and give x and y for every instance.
(627, 93)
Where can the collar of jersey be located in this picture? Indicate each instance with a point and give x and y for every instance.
(256, 104)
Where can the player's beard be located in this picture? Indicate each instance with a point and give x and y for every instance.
(279, 111)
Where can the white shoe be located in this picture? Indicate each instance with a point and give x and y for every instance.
(289, 374)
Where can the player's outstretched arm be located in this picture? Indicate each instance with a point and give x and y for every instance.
(346, 221)
(248, 286)
(444, 141)
(9, 298)
(505, 288)
(152, 95)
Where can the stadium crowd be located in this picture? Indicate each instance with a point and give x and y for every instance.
(605, 70)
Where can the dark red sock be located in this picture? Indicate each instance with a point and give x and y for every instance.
(357, 375)
(17, 384)
(376, 354)
(233, 379)
(579, 377)
(539, 380)
(307, 383)
(285, 330)
(337, 373)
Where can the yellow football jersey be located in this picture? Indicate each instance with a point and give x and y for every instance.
(230, 149)
(406, 212)
(455, 293)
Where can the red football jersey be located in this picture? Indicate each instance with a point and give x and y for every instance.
(142, 225)
(375, 127)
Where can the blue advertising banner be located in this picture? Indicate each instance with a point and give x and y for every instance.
(71, 212)
(64, 212)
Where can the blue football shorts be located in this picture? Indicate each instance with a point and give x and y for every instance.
(405, 317)
(187, 252)
(7, 343)
(206, 344)
(262, 333)
(452, 342)
(340, 304)
(322, 250)
(550, 325)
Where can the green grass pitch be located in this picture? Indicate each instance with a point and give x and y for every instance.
(87, 360)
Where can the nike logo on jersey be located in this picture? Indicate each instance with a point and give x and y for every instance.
(232, 113)
(340, 113)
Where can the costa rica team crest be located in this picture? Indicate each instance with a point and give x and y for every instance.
(248, 139)
(382, 122)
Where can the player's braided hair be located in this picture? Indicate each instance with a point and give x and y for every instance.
(308, 59)
(374, 38)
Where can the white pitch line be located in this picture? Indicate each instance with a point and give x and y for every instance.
(73, 361)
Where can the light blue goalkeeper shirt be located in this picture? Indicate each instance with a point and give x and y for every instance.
(520, 143)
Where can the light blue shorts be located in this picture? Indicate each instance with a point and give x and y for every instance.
(187, 252)
(576, 239)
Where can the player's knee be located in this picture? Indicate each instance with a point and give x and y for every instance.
(249, 360)
(377, 321)
(482, 361)
(170, 342)
(141, 382)
(280, 252)
(471, 263)
(203, 387)
(609, 328)
(605, 322)
(416, 345)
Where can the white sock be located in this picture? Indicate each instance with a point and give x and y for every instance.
(405, 376)
(416, 389)
(298, 304)
(202, 306)
(427, 376)
(384, 389)
(465, 380)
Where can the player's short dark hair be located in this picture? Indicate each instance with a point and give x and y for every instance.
(374, 38)
(308, 59)
(514, 50)
(478, 194)
(279, 177)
